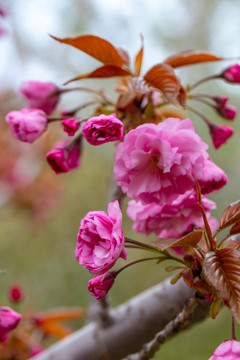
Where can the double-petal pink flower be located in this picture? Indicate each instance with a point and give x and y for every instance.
(157, 163)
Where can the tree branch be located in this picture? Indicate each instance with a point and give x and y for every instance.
(134, 323)
(172, 328)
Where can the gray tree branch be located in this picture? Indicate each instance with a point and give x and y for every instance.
(134, 323)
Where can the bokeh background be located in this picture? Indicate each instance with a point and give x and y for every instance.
(37, 252)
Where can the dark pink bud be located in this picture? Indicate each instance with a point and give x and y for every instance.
(232, 74)
(70, 126)
(15, 293)
(225, 110)
(27, 124)
(40, 95)
(65, 156)
(100, 285)
(9, 320)
(220, 134)
(101, 129)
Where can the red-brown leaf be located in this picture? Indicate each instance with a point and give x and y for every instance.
(189, 240)
(190, 57)
(106, 71)
(230, 215)
(138, 60)
(163, 78)
(98, 48)
(235, 229)
(221, 269)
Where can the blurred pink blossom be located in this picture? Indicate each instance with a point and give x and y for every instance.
(27, 124)
(15, 293)
(9, 320)
(40, 95)
(100, 240)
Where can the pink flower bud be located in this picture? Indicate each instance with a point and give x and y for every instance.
(101, 129)
(225, 110)
(100, 285)
(35, 350)
(220, 134)
(65, 156)
(232, 74)
(15, 293)
(40, 95)
(100, 240)
(70, 126)
(27, 124)
(228, 350)
(9, 320)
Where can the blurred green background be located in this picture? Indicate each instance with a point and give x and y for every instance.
(40, 257)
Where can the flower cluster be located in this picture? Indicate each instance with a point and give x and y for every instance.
(157, 163)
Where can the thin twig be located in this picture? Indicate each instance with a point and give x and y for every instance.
(174, 326)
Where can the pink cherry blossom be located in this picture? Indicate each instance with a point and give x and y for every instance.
(170, 220)
(157, 163)
(9, 320)
(220, 134)
(65, 156)
(27, 124)
(102, 129)
(232, 74)
(40, 95)
(100, 285)
(228, 350)
(70, 126)
(100, 240)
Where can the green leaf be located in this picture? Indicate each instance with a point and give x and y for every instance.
(98, 48)
(215, 307)
(221, 269)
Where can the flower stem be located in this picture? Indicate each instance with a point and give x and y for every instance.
(142, 245)
(199, 82)
(199, 114)
(116, 272)
(234, 337)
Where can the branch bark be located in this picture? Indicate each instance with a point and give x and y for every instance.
(134, 323)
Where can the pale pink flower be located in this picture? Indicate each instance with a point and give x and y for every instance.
(70, 126)
(220, 134)
(100, 240)
(40, 95)
(9, 320)
(27, 124)
(232, 74)
(156, 163)
(102, 129)
(100, 285)
(170, 220)
(228, 350)
(65, 156)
